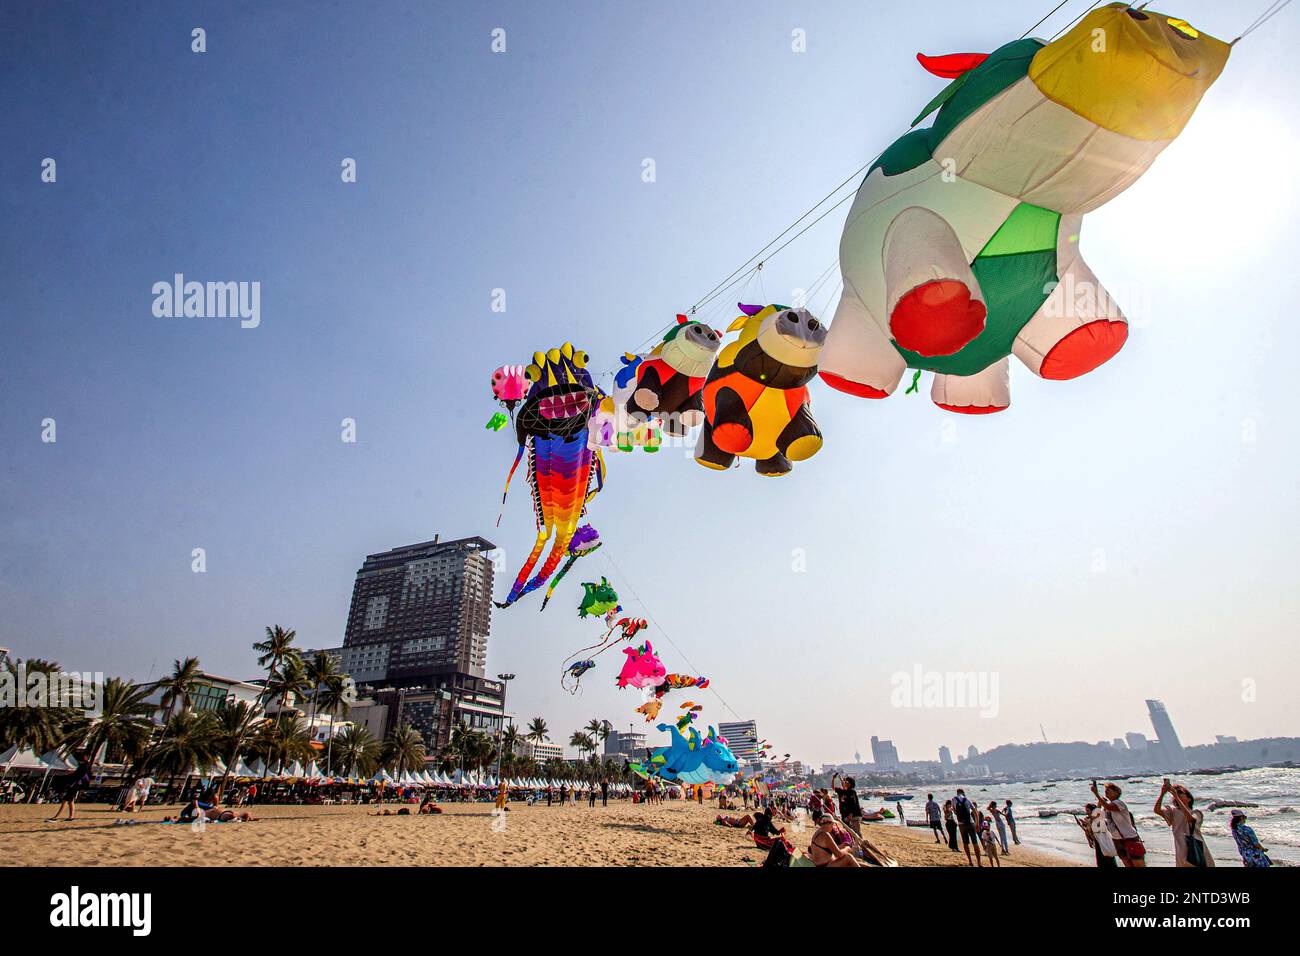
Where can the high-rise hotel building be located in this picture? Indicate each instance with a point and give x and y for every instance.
(420, 611)
(417, 634)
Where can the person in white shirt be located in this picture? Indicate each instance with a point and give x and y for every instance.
(1119, 823)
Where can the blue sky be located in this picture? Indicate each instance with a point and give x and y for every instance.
(1105, 540)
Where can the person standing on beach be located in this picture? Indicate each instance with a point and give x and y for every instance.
(1098, 837)
(1001, 825)
(1119, 823)
(1189, 845)
(604, 792)
(503, 795)
(933, 814)
(850, 807)
(1252, 854)
(78, 782)
(564, 792)
(950, 821)
(1011, 822)
(591, 795)
(965, 812)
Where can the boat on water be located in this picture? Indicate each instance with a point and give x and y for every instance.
(895, 797)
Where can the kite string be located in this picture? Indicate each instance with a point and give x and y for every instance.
(622, 578)
(755, 262)
(1274, 8)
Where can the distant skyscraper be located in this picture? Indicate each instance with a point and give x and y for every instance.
(1136, 741)
(1171, 747)
(972, 752)
(884, 753)
(945, 757)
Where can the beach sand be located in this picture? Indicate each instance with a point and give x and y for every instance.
(673, 834)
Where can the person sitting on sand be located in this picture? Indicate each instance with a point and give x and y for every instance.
(429, 804)
(212, 813)
(825, 849)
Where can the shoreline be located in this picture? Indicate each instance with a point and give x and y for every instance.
(622, 834)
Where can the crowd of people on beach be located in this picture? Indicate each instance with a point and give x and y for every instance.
(1111, 830)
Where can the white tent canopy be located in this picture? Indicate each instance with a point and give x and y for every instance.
(25, 759)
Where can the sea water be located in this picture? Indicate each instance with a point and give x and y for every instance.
(1276, 821)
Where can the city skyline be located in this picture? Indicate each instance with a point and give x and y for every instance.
(1129, 535)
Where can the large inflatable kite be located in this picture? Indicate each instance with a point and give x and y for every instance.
(691, 759)
(756, 395)
(642, 667)
(563, 472)
(962, 245)
(598, 599)
(670, 380)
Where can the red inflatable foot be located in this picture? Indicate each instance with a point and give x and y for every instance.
(937, 318)
(1084, 349)
(732, 438)
(973, 409)
(853, 388)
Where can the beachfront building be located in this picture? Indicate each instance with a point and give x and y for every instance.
(742, 738)
(629, 745)
(539, 753)
(416, 636)
(209, 692)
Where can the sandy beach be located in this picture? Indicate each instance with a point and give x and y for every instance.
(621, 834)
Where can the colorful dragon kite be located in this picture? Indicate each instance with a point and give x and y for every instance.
(552, 428)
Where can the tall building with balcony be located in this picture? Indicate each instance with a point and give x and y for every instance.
(420, 611)
(742, 738)
(417, 634)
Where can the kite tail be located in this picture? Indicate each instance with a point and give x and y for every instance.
(517, 589)
(558, 550)
(518, 457)
(568, 565)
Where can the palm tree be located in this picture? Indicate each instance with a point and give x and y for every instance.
(188, 743)
(41, 728)
(538, 732)
(275, 650)
(461, 743)
(179, 685)
(335, 697)
(404, 750)
(236, 723)
(290, 680)
(123, 725)
(584, 742)
(321, 669)
(511, 738)
(357, 751)
(283, 740)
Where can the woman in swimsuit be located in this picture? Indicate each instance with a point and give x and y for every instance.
(825, 847)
